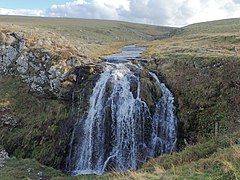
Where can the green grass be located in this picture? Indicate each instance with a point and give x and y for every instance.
(200, 63)
(221, 165)
(220, 26)
(202, 69)
(88, 37)
(27, 169)
(39, 121)
(218, 158)
(214, 159)
(86, 28)
(206, 90)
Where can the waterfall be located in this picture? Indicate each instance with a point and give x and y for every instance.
(164, 122)
(119, 132)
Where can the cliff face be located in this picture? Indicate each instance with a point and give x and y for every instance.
(43, 72)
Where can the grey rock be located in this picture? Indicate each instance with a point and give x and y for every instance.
(55, 85)
(34, 66)
(21, 46)
(40, 173)
(17, 36)
(29, 170)
(8, 56)
(3, 157)
(8, 120)
(36, 87)
(22, 64)
(74, 62)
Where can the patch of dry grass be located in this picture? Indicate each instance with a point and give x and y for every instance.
(68, 36)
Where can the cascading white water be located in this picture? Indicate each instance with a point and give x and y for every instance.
(164, 122)
(119, 132)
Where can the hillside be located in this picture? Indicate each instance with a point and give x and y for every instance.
(199, 63)
(85, 36)
(219, 26)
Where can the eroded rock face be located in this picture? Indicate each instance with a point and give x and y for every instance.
(43, 73)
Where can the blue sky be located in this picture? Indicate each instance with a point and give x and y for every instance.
(158, 12)
(29, 4)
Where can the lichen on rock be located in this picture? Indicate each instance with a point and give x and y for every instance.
(43, 72)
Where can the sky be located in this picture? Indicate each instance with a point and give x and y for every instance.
(158, 12)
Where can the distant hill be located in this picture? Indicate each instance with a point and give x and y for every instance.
(88, 30)
(219, 26)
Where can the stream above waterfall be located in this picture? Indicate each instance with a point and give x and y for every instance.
(130, 118)
(128, 53)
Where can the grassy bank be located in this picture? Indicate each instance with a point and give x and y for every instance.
(218, 158)
(203, 71)
(34, 125)
(215, 159)
(27, 169)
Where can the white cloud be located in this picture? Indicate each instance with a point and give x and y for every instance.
(25, 12)
(97, 9)
(160, 12)
(171, 12)
(214, 10)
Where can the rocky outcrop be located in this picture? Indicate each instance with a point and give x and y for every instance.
(43, 73)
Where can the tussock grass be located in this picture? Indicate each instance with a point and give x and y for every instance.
(215, 159)
(202, 69)
(36, 134)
